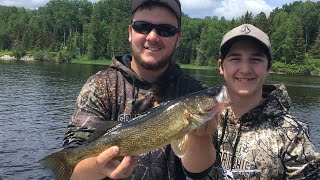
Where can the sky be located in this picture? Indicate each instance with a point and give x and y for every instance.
(194, 8)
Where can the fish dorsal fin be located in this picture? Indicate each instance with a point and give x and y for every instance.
(179, 146)
(103, 128)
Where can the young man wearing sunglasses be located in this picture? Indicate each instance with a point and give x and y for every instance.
(131, 86)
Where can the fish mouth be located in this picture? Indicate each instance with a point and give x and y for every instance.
(207, 113)
(203, 116)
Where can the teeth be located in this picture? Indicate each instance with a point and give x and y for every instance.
(246, 79)
(152, 49)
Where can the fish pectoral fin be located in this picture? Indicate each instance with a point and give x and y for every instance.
(103, 128)
(179, 146)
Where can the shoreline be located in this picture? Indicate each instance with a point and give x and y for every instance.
(23, 58)
(106, 62)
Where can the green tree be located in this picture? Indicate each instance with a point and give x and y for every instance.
(261, 21)
(295, 39)
(191, 29)
(85, 9)
(315, 50)
(247, 18)
(210, 39)
(99, 30)
(280, 47)
(309, 16)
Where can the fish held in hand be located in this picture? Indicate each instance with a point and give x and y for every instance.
(165, 124)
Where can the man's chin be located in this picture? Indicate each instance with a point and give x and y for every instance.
(153, 64)
(244, 92)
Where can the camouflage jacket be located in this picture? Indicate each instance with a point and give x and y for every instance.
(268, 143)
(118, 94)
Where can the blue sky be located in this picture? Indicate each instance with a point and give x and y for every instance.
(194, 8)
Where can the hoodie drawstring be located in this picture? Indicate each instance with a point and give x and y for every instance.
(134, 97)
(234, 148)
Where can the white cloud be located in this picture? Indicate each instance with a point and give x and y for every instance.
(226, 8)
(234, 8)
(30, 4)
(198, 5)
(198, 8)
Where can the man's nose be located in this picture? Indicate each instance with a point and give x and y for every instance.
(153, 35)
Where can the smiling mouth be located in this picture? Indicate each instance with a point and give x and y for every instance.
(152, 49)
(245, 79)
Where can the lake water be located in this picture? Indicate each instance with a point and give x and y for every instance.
(37, 100)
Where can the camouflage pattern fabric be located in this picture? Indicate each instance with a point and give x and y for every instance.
(268, 143)
(118, 94)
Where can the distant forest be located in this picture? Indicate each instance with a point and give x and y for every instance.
(72, 28)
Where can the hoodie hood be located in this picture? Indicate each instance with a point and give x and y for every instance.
(276, 102)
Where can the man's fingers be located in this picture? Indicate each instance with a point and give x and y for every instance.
(114, 168)
(104, 162)
(206, 129)
(212, 124)
(125, 168)
(106, 156)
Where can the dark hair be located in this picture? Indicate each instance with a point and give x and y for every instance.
(224, 50)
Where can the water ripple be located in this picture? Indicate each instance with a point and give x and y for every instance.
(37, 100)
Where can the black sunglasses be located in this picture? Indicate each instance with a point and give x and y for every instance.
(165, 30)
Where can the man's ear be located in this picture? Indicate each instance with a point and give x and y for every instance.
(130, 32)
(269, 70)
(178, 40)
(220, 66)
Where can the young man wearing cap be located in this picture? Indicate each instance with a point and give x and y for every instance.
(258, 138)
(131, 86)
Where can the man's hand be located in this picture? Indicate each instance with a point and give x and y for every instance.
(200, 153)
(207, 129)
(104, 166)
(115, 169)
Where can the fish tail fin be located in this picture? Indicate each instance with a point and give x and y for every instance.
(58, 163)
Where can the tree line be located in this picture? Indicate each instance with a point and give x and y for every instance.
(68, 29)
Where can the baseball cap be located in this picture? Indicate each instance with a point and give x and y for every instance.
(174, 5)
(245, 30)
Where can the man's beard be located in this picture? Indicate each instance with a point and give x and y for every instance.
(154, 66)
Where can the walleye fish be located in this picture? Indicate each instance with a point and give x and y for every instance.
(165, 124)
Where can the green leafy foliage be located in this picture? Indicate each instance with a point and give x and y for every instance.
(78, 29)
